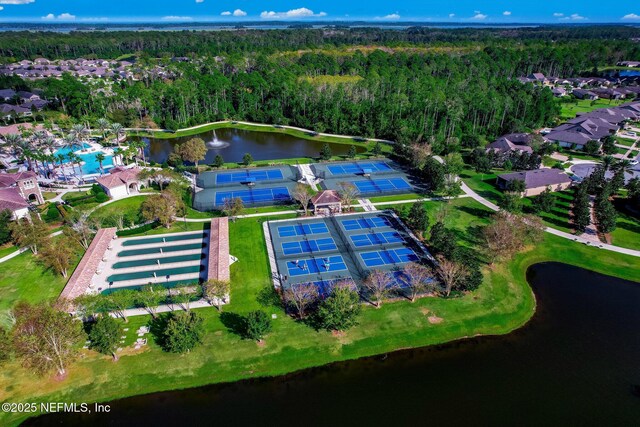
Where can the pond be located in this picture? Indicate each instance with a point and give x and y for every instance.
(232, 144)
(577, 362)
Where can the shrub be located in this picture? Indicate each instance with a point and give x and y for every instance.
(257, 324)
(53, 214)
(101, 197)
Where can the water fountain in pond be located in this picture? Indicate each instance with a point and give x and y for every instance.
(215, 143)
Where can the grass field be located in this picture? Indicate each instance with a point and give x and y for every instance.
(627, 232)
(560, 213)
(570, 109)
(504, 302)
(129, 207)
(624, 141)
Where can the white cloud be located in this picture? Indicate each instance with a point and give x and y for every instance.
(176, 18)
(63, 17)
(16, 1)
(239, 12)
(451, 15)
(302, 12)
(506, 13)
(1, 8)
(226, 13)
(199, 1)
(574, 17)
(479, 16)
(558, 14)
(631, 16)
(392, 16)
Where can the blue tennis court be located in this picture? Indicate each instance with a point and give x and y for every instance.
(358, 168)
(302, 229)
(308, 246)
(319, 265)
(363, 223)
(381, 185)
(259, 195)
(245, 176)
(370, 239)
(325, 287)
(386, 257)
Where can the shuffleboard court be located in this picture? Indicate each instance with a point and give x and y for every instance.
(364, 223)
(381, 185)
(161, 249)
(372, 239)
(308, 246)
(389, 256)
(359, 168)
(316, 265)
(245, 176)
(149, 274)
(251, 196)
(302, 229)
(163, 239)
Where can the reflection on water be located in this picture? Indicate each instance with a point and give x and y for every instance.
(575, 363)
(232, 144)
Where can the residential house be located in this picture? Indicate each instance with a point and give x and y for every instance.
(584, 94)
(512, 142)
(17, 190)
(536, 181)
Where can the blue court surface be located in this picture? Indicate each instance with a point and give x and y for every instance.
(386, 257)
(325, 287)
(312, 266)
(370, 239)
(381, 185)
(308, 246)
(302, 229)
(245, 176)
(358, 168)
(364, 223)
(258, 195)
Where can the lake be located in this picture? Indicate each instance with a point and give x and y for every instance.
(575, 363)
(232, 144)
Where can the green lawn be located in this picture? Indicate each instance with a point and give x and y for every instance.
(397, 197)
(129, 207)
(483, 183)
(624, 141)
(74, 194)
(570, 109)
(504, 302)
(48, 195)
(627, 232)
(560, 213)
(7, 249)
(195, 214)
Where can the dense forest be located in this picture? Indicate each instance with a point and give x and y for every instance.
(440, 86)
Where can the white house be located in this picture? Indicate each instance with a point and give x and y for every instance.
(120, 182)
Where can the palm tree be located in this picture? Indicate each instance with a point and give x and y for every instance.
(71, 157)
(119, 152)
(624, 165)
(607, 162)
(117, 129)
(14, 140)
(103, 125)
(79, 133)
(61, 158)
(100, 157)
(69, 140)
(140, 146)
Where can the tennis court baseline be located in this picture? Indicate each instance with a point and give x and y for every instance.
(319, 265)
(357, 168)
(380, 185)
(370, 239)
(363, 223)
(302, 229)
(308, 246)
(390, 256)
(259, 195)
(255, 175)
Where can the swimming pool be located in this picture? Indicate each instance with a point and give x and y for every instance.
(91, 165)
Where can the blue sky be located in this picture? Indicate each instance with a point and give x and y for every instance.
(503, 11)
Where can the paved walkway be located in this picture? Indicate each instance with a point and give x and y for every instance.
(308, 176)
(554, 231)
(23, 250)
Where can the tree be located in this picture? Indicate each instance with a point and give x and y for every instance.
(218, 161)
(257, 325)
(510, 202)
(508, 233)
(348, 193)
(6, 349)
(544, 201)
(379, 285)
(232, 207)
(45, 338)
(302, 194)
(592, 147)
(418, 279)
(433, 174)
(581, 208)
(442, 240)
(117, 129)
(247, 159)
(183, 331)
(516, 186)
(58, 255)
(5, 230)
(300, 297)
(182, 296)
(325, 152)
(29, 232)
(119, 301)
(633, 191)
(377, 149)
(216, 292)
(340, 310)
(606, 216)
(192, 150)
(105, 335)
(81, 229)
(100, 158)
(450, 273)
(609, 145)
(159, 207)
(418, 220)
(351, 154)
(150, 297)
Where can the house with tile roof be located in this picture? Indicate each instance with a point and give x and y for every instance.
(327, 202)
(17, 190)
(120, 182)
